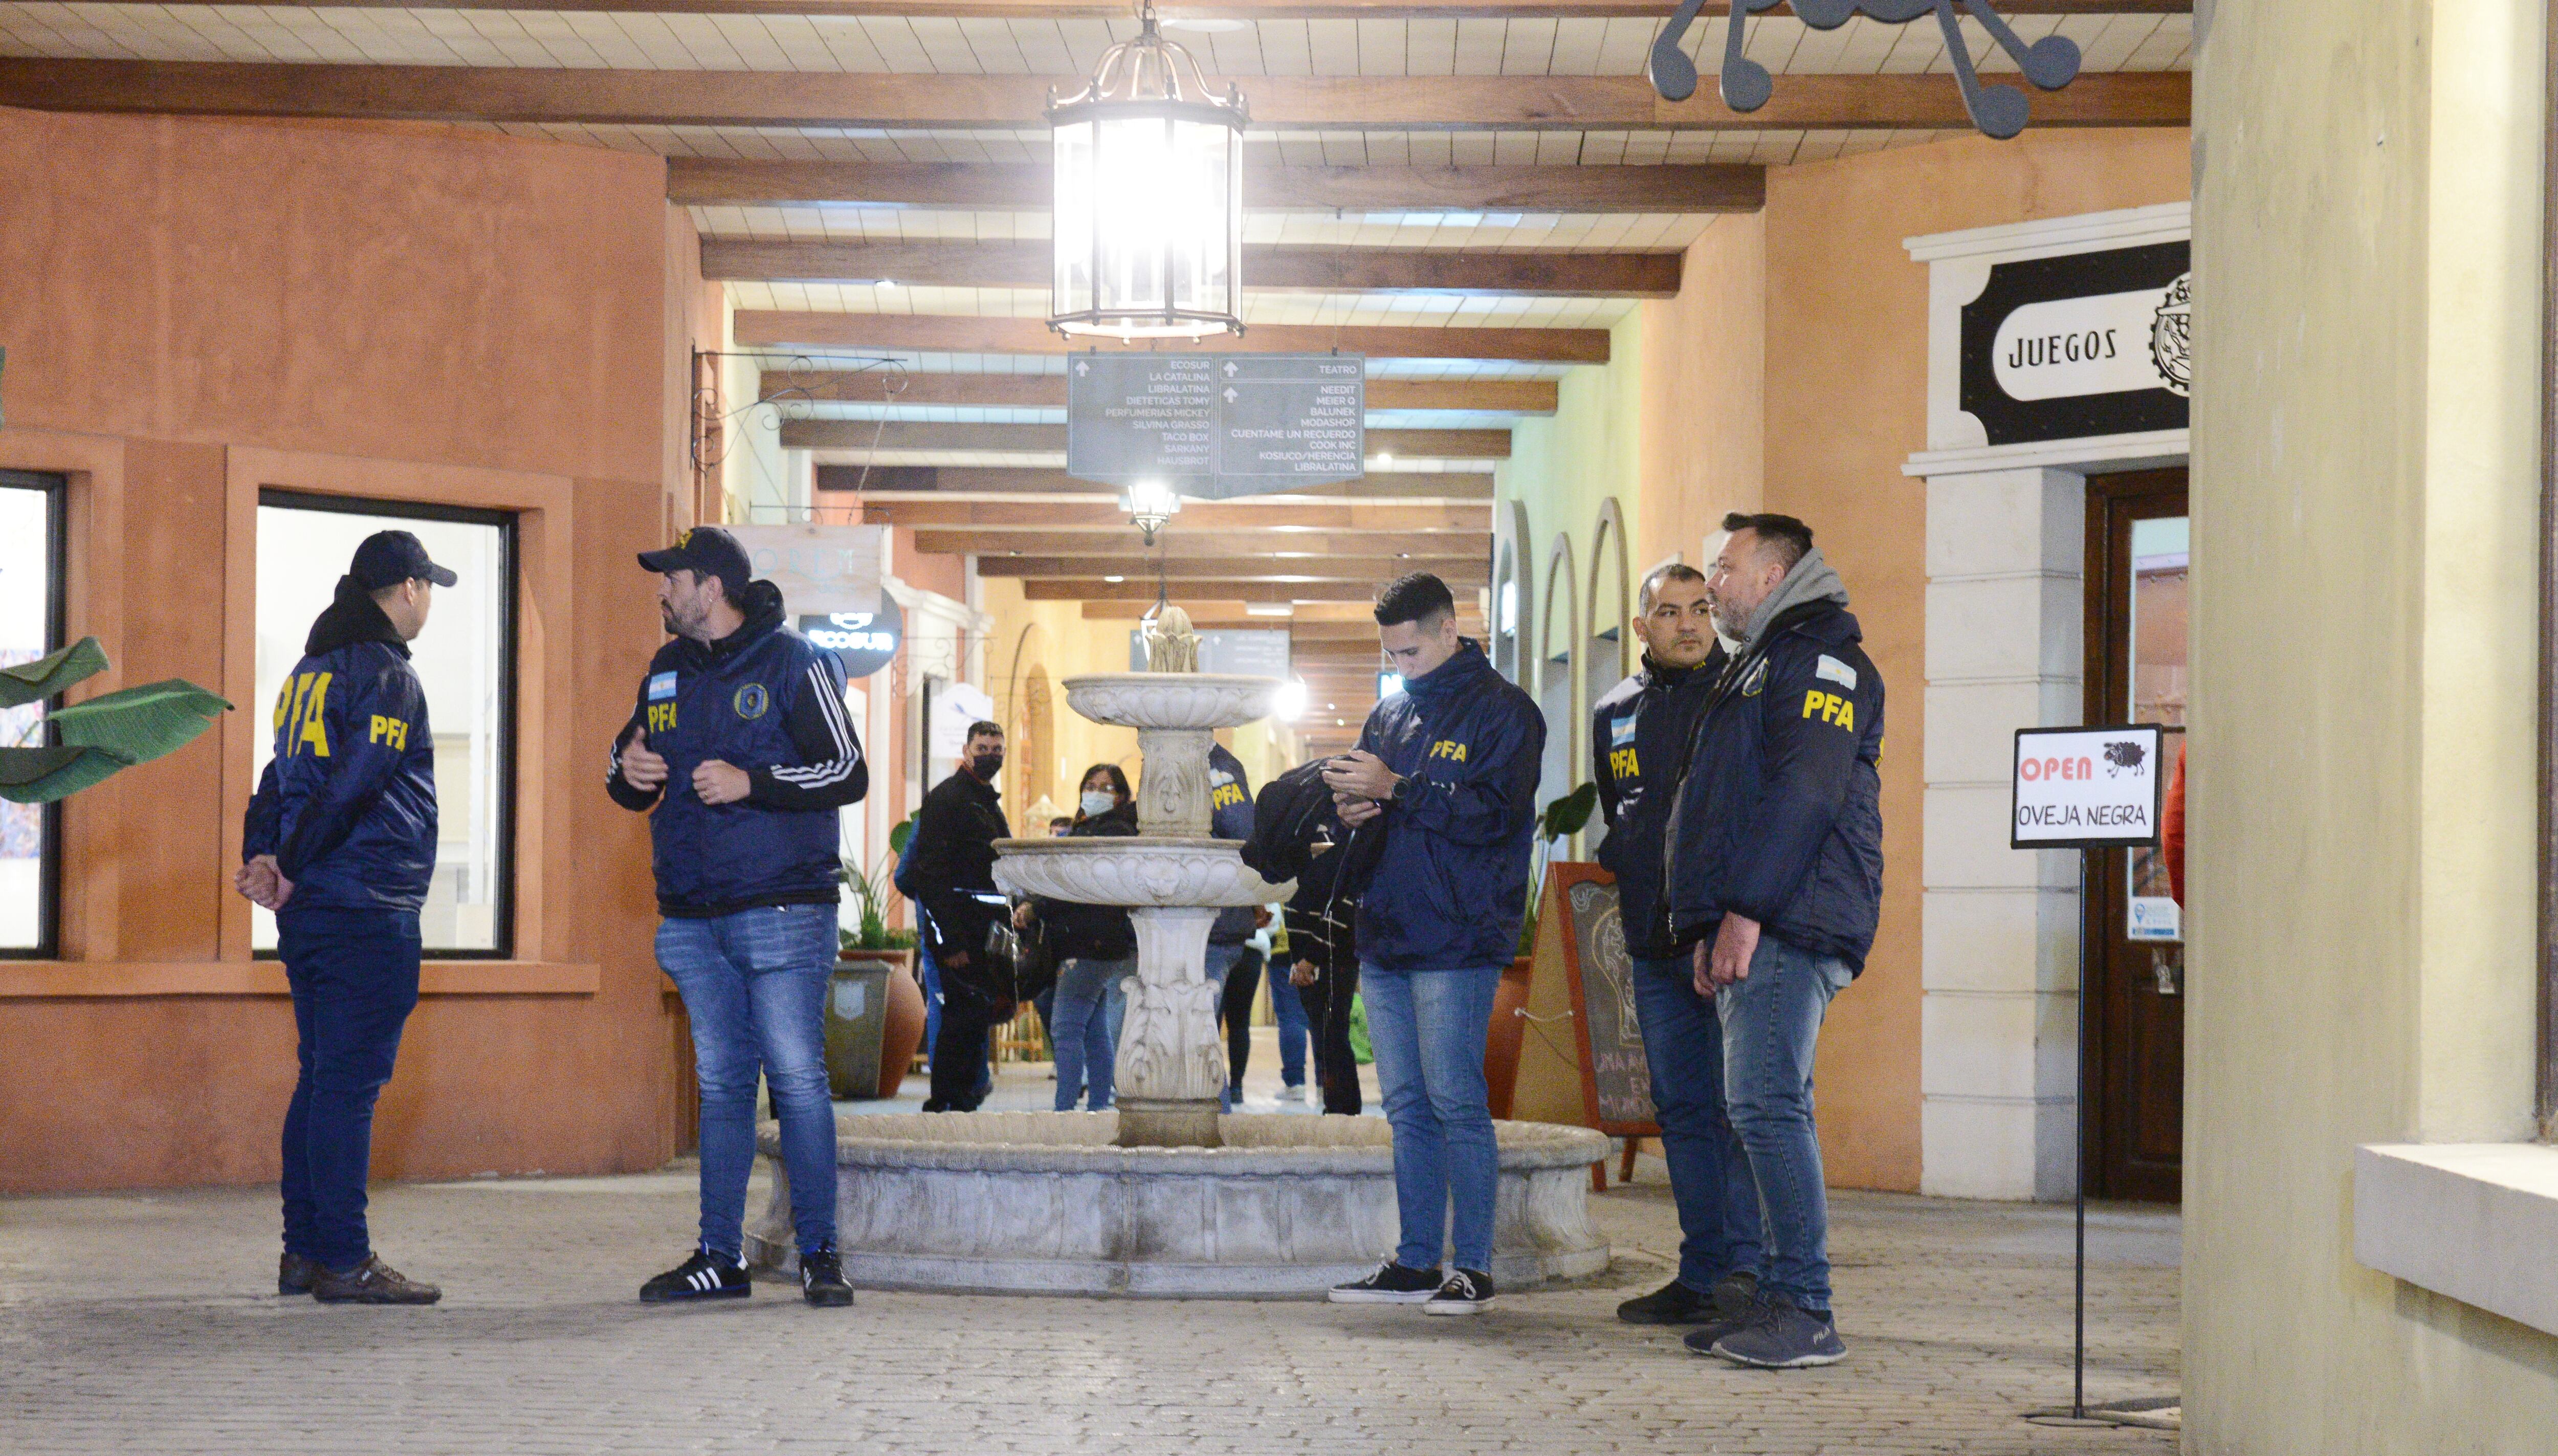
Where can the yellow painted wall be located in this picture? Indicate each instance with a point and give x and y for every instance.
(1054, 636)
(2362, 871)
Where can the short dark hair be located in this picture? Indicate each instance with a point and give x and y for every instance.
(983, 729)
(1419, 597)
(1667, 571)
(1789, 537)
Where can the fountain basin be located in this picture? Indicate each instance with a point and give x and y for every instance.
(1185, 700)
(1179, 871)
(1044, 1202)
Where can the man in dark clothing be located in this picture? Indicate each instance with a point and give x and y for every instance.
(339, 843)
(1639, 742)
(1777, 878)
(954, 875)
(742, 750)
(1230, 816)
(1324, 967)
(1449, 768)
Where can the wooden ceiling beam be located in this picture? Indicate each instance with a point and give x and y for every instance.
(1026, 187)
(1132, 590)
(1374, 572)
(464, 93)
(1047, 391)
(950, 481)
(955, 333)
(863, 434)
(1181, 542)
(1026, 265)
(1244, 515)
(1206, 10)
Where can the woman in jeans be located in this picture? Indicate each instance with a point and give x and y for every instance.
(1096, 948)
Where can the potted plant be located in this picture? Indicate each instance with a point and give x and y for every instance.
(1563, 818)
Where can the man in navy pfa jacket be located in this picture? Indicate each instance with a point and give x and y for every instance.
(743, 750)
(340, 845)
(1448, 767)
(1639, 742)
(1777, 875)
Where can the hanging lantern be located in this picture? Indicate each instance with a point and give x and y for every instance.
(1149, 220)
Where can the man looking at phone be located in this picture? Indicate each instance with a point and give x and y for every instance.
(1449, 768)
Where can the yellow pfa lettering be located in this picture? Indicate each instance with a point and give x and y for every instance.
(301, 715)
(1620, 762)
(391, 731)
(1227, 795)
(1448, 748)
(661, 717)
(1832, 707)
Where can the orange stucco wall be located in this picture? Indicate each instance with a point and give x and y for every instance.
(204, 307)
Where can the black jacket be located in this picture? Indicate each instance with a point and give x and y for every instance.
(348, 805)
(1079, 932)
(954, 873)
(1451, 882)
(1293, 813)
(771, 702)
(1638, 744)
(1781, 815)
(1230, 816)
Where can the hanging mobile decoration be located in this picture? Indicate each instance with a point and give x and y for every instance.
(2000, 111)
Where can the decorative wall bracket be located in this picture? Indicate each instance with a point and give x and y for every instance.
(1999, 111)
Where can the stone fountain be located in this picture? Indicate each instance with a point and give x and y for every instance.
(1163, 1195)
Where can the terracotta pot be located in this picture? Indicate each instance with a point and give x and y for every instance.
(904, 1029)
(1508, 1030)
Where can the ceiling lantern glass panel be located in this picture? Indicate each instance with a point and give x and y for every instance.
(1149, 213)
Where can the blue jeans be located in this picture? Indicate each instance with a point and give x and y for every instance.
(1222, 961)
(1718, 1204)
(928, 976)
(1771, 1020)
(1091, 1004)
(1428, 1029)
(754, 986)
(353, 974)
(1291, 1012)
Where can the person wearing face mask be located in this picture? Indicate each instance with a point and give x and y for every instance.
(1096, 946)
(1775, 881)
(955, 876)
(1638, 744)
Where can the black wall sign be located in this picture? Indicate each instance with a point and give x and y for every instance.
(2086, 344)
(865, 642)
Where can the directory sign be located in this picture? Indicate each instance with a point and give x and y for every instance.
(1218, 425)
(2086, 788)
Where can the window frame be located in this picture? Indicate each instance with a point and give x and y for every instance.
(503, 943)
(56, 489)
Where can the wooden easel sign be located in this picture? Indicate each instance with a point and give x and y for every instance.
(1616, 1080)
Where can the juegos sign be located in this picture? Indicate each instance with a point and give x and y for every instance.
(2086, 788)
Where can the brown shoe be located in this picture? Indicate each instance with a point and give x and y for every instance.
(294, 1275)
(371, 1282)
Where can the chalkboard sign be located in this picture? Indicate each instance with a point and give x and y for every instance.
(1616, 1080)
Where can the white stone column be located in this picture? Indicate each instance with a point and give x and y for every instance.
(1999, 962)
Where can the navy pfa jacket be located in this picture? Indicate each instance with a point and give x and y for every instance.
(1780, 819)
(1639, 741)
(1230, 816)
(767, 700)
(348, 805)
(1451, 883)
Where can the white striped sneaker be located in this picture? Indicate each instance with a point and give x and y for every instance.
(703, 1276)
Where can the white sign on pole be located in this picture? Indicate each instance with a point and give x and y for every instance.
(2086, 788)
(822, 568)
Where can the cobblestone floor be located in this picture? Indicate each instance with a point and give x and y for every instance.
(147, 1322)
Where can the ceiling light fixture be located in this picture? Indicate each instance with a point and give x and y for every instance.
(1150, 504)
(1149, 205)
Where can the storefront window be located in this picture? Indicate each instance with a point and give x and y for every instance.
(465, 660)
(2156, 668)
(31, 625)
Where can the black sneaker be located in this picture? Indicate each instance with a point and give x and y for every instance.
(1673, 1303)
(822, 1280)
(1393, 1284)
(1468, 1291)
(1782, 1337)
(371, 1282)
(1722, 1323)
(294, 1275)
(703, 1276)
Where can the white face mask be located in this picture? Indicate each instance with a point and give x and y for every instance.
(1099, 803)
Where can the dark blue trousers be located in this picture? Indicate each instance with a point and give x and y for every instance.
(1709, 1175)
(355, 983)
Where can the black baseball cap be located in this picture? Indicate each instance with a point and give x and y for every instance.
(389, 558)
(705, 551)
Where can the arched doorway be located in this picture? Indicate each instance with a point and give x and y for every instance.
(1556, 682)
(1609, 654)
(1507, 627)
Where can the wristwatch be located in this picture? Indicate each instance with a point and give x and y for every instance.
(1397, 796)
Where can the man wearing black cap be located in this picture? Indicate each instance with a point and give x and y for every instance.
(742, 749)
(340, 845)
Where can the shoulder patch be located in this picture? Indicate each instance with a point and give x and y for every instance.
(1620, 731)
(1756, 680)
(751, 701)
(661, 687)
(1836, 671)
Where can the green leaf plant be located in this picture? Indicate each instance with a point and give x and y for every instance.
(1566, 816)
(100, 737)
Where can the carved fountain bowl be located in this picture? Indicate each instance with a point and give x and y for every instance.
(1142, 871)
(1044, 1202)
(1200, 700)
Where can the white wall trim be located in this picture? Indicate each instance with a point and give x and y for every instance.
(2053, 237)
(2150, 449)
(2472, 1221)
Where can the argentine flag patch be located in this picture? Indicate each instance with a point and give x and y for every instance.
(1621, 732)
(661, 685)
(1836, 671)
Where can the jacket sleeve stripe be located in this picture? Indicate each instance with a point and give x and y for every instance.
(848, 753)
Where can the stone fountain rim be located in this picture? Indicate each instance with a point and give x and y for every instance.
(1185, 679)
(1115, 844)
(1523, 1147)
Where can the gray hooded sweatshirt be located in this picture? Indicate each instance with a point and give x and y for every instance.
(1810, 580)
